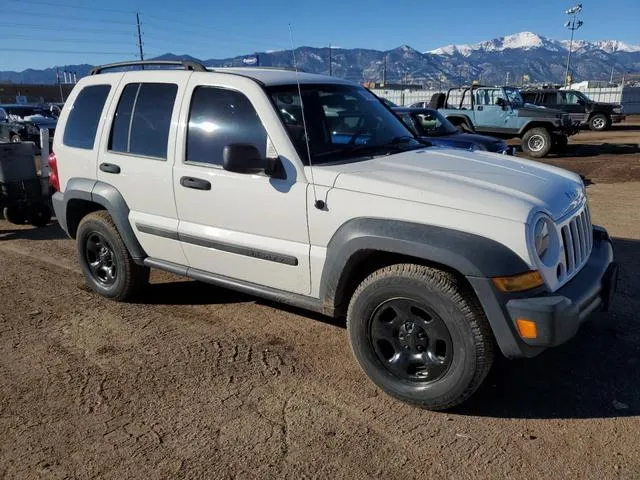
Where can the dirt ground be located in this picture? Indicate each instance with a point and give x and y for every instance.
(195, 381)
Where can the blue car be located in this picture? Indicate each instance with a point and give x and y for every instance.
(430, 125)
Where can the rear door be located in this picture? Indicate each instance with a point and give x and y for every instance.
(249, 227)
(137, 151)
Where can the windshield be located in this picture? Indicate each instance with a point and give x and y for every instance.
(432, 123)
(21, 112)
(514, 97)
(344, 122)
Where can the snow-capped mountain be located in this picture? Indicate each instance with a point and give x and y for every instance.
(539, 58)
(529, 41)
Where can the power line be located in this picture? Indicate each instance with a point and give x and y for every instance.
(74, 52)
(63, 40)
(81, 7)
(66, 17)
(57, 28)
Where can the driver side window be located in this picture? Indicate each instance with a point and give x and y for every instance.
(488, 96)
(570, 98)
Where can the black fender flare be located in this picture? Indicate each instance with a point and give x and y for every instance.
(465, 119)
(105, 196)
(468, 254)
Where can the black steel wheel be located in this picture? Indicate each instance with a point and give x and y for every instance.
(420, 334)
(411, 340)
(99, 255)
(105, 260)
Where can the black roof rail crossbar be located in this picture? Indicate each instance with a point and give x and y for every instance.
(186, 64)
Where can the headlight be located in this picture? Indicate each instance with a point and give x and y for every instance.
(617, 110)
(545, 241)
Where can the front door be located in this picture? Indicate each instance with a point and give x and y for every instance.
(487, 114)
(249, 227)
(573, 105)
(137, 158)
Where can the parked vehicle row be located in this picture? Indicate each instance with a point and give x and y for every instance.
(597, 116)
(307, 190)
(22, 123)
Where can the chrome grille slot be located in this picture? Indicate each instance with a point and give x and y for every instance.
(577, 239)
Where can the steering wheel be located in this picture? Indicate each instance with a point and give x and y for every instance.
(355, 136)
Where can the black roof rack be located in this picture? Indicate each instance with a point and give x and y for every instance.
(186, 64)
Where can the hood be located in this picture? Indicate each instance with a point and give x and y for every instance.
(480, 182)
(468, 140)
(40, 120)
(602, 106)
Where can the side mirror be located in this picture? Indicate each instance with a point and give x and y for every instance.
(501, 102)
(243, 158)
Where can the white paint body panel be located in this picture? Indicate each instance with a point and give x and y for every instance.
(252, 211)
(488, 195)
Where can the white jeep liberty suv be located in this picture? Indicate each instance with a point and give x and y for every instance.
(307, 190)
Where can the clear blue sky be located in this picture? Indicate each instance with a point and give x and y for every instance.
(51, 32)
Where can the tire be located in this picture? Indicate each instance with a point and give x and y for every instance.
(105, 260)
(599, 122)
(560, 143)
(15, 214)
(393, 319)
(39, 215)
(537, 142)
(15, 138)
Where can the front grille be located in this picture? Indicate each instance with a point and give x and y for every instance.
(577, 239)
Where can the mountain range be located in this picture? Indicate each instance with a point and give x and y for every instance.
(539, 58)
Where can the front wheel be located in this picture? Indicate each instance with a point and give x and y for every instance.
(15, 138)
(105, 260)
(536, 142)
(420, 335)
(599, 122)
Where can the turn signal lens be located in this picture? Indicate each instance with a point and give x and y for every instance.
(526, 328)
(518, 283)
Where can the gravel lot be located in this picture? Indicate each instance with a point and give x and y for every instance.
(199, 382)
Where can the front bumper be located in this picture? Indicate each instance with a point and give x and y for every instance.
(557, 315)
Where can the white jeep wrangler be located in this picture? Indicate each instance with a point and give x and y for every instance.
(307, 190)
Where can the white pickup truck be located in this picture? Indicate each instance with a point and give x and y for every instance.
(308, 190)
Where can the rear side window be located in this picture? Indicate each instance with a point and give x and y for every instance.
(82, 124)
(219, 117)
(143, 118)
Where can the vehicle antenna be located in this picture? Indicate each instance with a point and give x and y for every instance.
(319, 204)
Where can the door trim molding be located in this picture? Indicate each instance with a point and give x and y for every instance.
(260, 254)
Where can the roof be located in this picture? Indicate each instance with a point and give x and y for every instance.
(269, 76)
(277, 76)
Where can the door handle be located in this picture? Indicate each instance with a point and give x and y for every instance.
(479, 108)
(109, 168)
(197, 183)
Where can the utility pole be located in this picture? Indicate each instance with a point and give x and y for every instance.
(330, 62)
(59, 85)
(572, 25)
(139, 38)
(507, 83)
(384, 70)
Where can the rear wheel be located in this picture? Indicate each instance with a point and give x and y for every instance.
(599, 122)
(105, 260)
(420, 335)
(536, 142)
(15, 214)
(15, 138)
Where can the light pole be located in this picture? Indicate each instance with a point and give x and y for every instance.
(573, 25)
